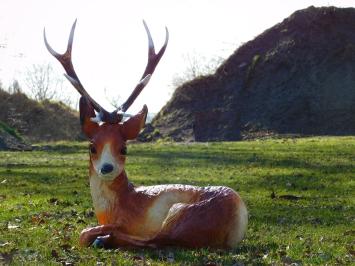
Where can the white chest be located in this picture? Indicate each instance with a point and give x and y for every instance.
(103, 198)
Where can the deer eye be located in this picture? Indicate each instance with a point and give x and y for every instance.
(92, 149)
(124, 151)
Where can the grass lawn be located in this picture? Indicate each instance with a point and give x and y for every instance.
(300, 195)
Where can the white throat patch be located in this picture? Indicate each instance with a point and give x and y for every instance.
(102, 197)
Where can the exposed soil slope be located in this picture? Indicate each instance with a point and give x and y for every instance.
(11, 140)
(297, 77)
(45, 121)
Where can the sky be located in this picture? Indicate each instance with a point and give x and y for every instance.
(110, 43)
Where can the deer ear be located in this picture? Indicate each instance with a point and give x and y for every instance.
(132, 127)
(86, 113)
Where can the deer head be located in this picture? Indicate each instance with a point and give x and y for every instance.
(106, 131)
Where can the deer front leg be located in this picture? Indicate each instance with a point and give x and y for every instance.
(111, 237)
(88, 235)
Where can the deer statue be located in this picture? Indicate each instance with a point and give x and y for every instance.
(146, 216)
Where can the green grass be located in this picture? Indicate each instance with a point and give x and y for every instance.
(45, 201)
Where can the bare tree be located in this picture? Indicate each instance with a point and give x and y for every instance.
(197, 65)
(14, 87)
(42, 82)
(114, 100)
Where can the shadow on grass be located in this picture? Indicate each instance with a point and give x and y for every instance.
(208, 256)
(62, 148)
(305, 173)
(310, 179)
(174, 158)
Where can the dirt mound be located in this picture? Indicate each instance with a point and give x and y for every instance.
(8, 142)
(39, 121)
(11, 140)
(297, 77)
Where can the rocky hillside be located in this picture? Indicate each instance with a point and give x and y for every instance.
(297, 77)
(11, 140)
(34, 121)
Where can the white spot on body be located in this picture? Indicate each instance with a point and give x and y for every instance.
(157, 213)
(162, 207)
(173, 212)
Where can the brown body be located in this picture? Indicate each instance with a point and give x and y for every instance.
(169, 215)
(178, 215)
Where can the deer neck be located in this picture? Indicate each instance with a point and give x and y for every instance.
(106, 194)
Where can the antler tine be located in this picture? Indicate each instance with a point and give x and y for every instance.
(66, 61)
(153, 60)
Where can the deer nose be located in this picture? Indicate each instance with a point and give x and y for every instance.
(106, 168)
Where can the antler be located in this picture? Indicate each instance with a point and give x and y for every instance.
(66, 61)
(103, 115)
(153, 60)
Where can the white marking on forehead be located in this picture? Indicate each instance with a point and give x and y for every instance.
(106, 155)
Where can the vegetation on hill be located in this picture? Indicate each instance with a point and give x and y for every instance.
(38, 121)
(295, 78)
(299, 193)
(9, 130)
